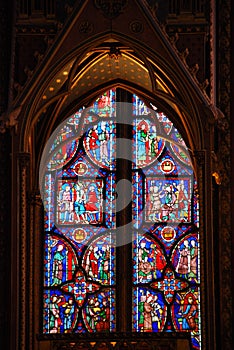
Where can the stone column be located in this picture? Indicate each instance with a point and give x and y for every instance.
(36, 263)
(203, 160)
(5, 238)
(21, 249)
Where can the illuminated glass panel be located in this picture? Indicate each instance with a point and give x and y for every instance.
(166, 263)
(80, 190)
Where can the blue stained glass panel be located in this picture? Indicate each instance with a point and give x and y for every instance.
(147, 144)
(79, 202)
(78, 193)
(99, 260)
(166, 222)
(60, 261)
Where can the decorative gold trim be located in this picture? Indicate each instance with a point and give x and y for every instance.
(120, 340)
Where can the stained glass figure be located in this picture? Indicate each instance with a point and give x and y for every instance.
(149, 260)
(185, 315)
(105, 105)
(60, 312)
(79, 201)
(99, 260)
(99, 144)
(60, 260)
(150, 311)
(98, 312)
(185, 257)
(147, 144)
(63, 154)
(168, 199)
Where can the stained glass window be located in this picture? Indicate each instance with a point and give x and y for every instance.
(79, 171)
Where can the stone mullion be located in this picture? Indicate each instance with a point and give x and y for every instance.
(22, 246)
(124, 216)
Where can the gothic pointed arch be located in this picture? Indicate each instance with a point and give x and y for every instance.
(127, 50)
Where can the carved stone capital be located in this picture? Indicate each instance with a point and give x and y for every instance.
(215, 117)
(221, 122)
